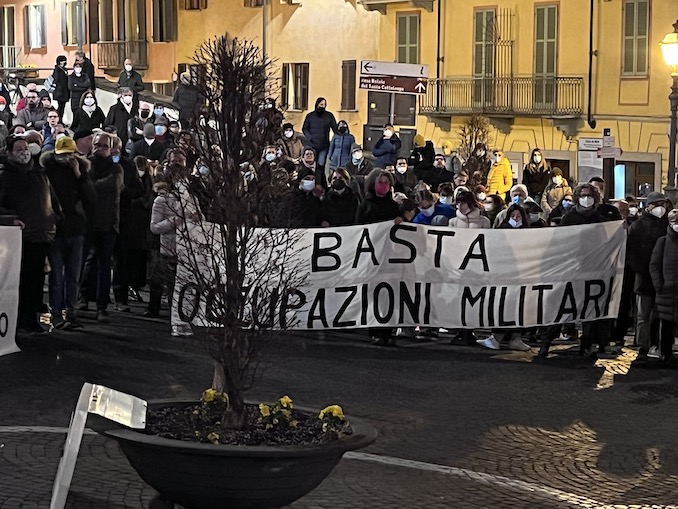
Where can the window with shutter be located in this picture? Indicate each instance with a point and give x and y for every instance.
(294, 86)
(35, 26)
(545, 53)
(164, 20)
(194, 5)
(285, 86)
(348, 77)
(636, 28)
(69, 23)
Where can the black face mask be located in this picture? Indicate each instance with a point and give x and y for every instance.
(320, 110)
(343, 129)
(338, 185)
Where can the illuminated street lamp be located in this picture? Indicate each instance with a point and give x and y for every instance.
(670, 50)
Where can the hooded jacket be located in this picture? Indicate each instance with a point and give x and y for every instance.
(74, 194)
(317, 128)
(25, 191)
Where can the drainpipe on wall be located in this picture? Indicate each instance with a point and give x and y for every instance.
(590, 120)
(439, 58)
(264, 20)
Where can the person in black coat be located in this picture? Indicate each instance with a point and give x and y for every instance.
(78, 84)
(69, 175)
(664, 272)
(341, 202)
(609, 212)
(148, 146)
(316, 129)
(387, 147)
(188, 101)
(536, 175)
(643, 235)
(404, 178)
(120, 113)
(87, 68)
(26, 193)
(89, 116)
(305, 202)
(421, 158)
(61, 92)
(130, 78)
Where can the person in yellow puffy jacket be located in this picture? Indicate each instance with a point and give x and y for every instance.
(500, 178)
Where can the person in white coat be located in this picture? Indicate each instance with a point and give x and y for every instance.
(468, 212)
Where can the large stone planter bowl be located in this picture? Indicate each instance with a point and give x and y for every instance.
(206, 476)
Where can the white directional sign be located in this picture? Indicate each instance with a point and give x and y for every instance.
(370, 67)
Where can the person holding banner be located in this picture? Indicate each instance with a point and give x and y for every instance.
(341, 202)
(664, 272)
(26, 192)
(430, 210)
(306, 199)
(518, 196)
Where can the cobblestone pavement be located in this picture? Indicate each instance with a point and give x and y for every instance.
(460, 427)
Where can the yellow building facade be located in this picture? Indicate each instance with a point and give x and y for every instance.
(317, 46)
(525, 66)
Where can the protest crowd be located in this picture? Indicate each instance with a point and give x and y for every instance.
(93, 199)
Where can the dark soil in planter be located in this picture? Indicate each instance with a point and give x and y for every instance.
(183, 423)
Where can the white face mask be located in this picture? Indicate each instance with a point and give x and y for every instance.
(674, 227)
(537, 158)
(388, 133)
(401, 169)
(2, 107)
(270, 157)
(288, 134)
(128, 68)
(358, 155)
(494, 159)
(557, 180)
(77, 71)
(307, 185)
(514, 223)
(127, 99)
(89, 101)
(534, 218)
(633, 211)
(429, 211)
(446, 200)
(658, 211)
(481, 196)
(488, 206)
(34, 149)
(586, 201)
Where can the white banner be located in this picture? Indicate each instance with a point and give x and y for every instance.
(383, 275)
(10, 268)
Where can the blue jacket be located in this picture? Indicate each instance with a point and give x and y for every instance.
(386, 150)
(340, 150)
(440, 210)
(317, 128)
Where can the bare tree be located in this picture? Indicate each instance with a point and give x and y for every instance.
(472, 131)
(235, 277)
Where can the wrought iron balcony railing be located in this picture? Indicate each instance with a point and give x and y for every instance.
(529, 96)
(112, 55)
(9, 56)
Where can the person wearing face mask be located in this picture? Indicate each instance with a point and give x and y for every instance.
(359, 167)
(26, 192)
(404, 178)
(468, 213)
(78, 84)
(68, 173)
(162, 132)
(339, 152)
(89, 116)
(500, 177)
(33, 115)
(339, 206)
(664, 273)
(518, 195)
(158, 112)
(291, 144)
(559, 211)
(316, 128)
(187, 101)
(87, 67)
(121, 112)
(378, 206)
(554, 192)
(643, 236)
(492, 206)
(633, 212)
(429, 209)
(537, 175)
(387, 147)
(35, 141)
(309, 161)
(609, 212)
(149, 146)
(306, 202)
(61, 92)
(479, 161)
(135, 125)
(534, 213)
(421, 158)
(6, 116)
(130, 78)
(103, 222)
